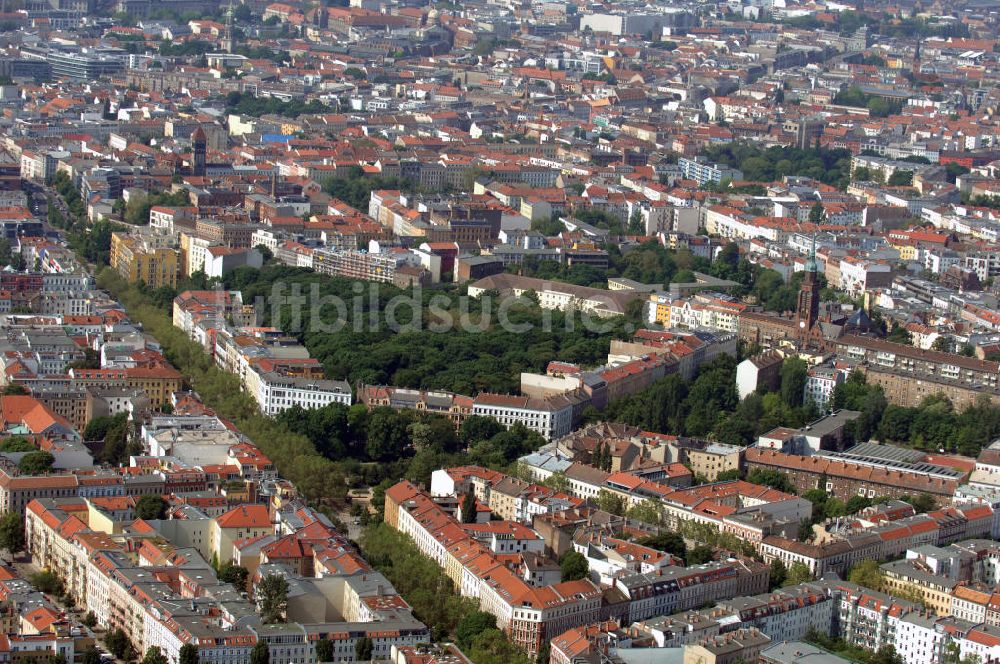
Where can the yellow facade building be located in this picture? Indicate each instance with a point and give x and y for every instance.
(148, 259)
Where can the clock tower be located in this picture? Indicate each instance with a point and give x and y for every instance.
(807, 311)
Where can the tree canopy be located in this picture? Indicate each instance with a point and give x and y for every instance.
(247, 104)
(573, 566)
(12, 531)
(151, 507)
(36, 463)
(272, 598)
(831, 167)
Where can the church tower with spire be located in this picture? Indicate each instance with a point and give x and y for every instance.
(807, 311)
(199, 150)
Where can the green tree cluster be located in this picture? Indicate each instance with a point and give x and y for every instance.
(137, 209)
(671, 405)
(469, 507)
(877, 106)
(91, 656)
(798, 573)
(119, 441)
(247, 104)
(17, 444)
(36, 463)
(708, 406)
(953, 171)
(647, 511)
(261, 653)
(830, 167)
(933, 425)
(379, 434)
(666, 541)
(318, 478)
(465, 360)
(91, 243)
(119, 644)
(772, 478)
(263, 53)
(47, 582)
(433, 598)
(610, 502)
(710, 538)
(867, 573)
(900, 178)
(354, 188)
(154, 656)
(982, 200)
(186, 48)
(601, 457)
(188, 654)
(151, 507)
(363, 648)
(230, 572)
(12, 532)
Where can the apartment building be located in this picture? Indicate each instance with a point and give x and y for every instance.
(846, 477)
(277, 393)
(820, 384)
(633, 449)
(836, 556)
(557, 295)
(703, 311)
(510, 498)
(674, 589)
(904, 388)
(455, 407)
(551, 417)
(743, 645)
(150, 259)
(529, 615)
(171, 219)
(859, 275)
(918, 362)
(192, 309)
(760, 371)
(167, 596)
(158, 382)
(700, 170)
(386, 267)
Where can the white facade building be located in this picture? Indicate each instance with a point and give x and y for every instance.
(276, 393)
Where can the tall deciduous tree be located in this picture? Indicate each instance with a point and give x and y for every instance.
(154, 656)
(151, 507)
(36, 463)
(469, 507)
(324, 650)
(798, 573)
(261, 654)
(272, 598)
(573, 566)
(12, 531)
(471, 625)
(188, 654)
(867, 573)
(793, 381)
(817, 213)
(235, 574)
(778, 573)
(363, 648)
(610, 502)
